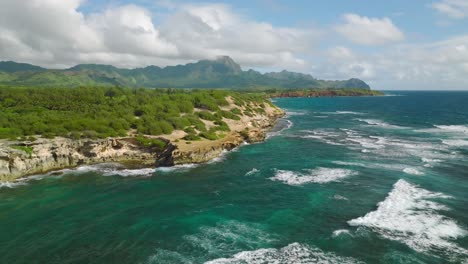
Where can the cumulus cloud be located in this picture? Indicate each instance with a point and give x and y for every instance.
(457, 9)
(369, 31)
(55, 33)
(436, 65)
(209, 30)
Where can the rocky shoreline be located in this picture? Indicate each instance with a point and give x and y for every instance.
(25, 158)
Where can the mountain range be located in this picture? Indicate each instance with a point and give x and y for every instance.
(222, 72)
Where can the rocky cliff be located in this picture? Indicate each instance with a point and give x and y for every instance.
(18, 159)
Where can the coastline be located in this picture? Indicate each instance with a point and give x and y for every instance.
(47, 155)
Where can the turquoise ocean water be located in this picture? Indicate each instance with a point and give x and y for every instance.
(352, 180)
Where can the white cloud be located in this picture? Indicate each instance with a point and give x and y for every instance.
(55, 33)
(436, 65)
(457, 9)
(369, 31)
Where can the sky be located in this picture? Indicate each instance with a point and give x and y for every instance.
(392, 45)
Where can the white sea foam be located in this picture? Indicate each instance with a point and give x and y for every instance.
(409, 215)
(379, 123)
(455, 142)
(287, 126)
(343, 113)
(252, 172)
(294, 253)
(222, 156)
(456, 131)
(349, 113)
(329, 137)
(340, 232)
(12, 184)
(413, 171)
(130, 172)
(318, 175)
(339, 197)
(296, 113)
(228, 237)
(181, 167)
(224, 238)
(454, 128)
(346, 163)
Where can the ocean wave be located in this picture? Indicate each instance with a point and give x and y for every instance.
(454, 128)
(455, 142)
(413, 171)
(409, 215)
(224, 238)
(252, 172)
(379, 123)
(319, 175)
(12, 184)
(280, 127)
(291, 254)
(181, 167)
(343, 113)
(460, 130)
(339, 197)
(296, 113)
(110, 169)
(340, 232)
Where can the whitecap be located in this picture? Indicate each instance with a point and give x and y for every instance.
(318, 175)
(343, 113)
(294, 253)
(412, 171)
(409, 215)
(339, 197)
(346, 163)
(252, 172)
(454, 128)
(296, 113)
(455, 142)
(340, 232)
(229, 236)
(349, 113)
(377, 122)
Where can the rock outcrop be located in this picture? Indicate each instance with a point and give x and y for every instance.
(53, 154)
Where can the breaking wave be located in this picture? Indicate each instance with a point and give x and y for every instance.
(409, 215)
(294, 253)
(319, 175)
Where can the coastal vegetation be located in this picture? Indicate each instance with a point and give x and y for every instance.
(100, 112)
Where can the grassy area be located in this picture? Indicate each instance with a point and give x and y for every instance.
(26, 149)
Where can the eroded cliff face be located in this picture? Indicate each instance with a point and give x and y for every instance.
(249, 129)
(18, 159)
(53, 154)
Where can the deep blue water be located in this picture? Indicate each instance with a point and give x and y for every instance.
(353, 180)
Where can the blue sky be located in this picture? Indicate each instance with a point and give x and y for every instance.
(389, 44)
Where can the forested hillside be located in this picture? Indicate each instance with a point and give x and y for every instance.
(220, 73)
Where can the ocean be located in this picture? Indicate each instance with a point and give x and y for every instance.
(340, 180)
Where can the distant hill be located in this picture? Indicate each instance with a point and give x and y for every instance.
(222, 72)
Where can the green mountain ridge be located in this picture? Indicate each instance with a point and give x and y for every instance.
(222, 72)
